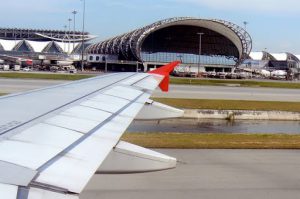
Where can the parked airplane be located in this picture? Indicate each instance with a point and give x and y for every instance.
(279, 73)
(16, 60)
(56, 63)
(26, 62)
(53, 140)
(264, 73)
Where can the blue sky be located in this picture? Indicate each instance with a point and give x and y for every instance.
(273, 24)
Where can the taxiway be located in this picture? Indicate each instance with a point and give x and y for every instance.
(176, 91)
(209, 174)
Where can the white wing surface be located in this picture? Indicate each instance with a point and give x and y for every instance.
(53, 140)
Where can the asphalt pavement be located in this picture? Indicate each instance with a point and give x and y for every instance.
(176, 91)
(20, 85)
(209, 174)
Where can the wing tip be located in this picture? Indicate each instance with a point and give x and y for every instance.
(165, 71)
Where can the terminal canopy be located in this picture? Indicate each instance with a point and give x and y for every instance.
(179, 36)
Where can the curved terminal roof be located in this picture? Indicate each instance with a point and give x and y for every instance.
(263, 55)
(221, 38)
(285, 56)
(280, 56)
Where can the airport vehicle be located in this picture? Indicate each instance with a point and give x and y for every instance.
(17, 67)
(6, 67)
(26, 69)
(53, 140)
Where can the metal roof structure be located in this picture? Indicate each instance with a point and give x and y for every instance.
(263, 55)
(39, 41)
(285, 56)
(221, 38)
(44, 35)
(39, 46)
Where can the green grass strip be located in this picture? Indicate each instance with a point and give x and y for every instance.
(69, 77)
(230, 104)
(242, 83)
(213, 141)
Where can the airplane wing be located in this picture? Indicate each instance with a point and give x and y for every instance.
(53, 140)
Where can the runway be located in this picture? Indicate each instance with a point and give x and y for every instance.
(209, 174)
(176, 91)
(231, 93)
(20, 85)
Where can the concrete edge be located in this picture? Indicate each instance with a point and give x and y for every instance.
(241, 115)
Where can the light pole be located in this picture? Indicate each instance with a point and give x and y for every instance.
(180, 57)
(245, 24)
(65, 27)
(70, 20)
(200, 51)
(82, 41)
(74, 12)
(245, 27)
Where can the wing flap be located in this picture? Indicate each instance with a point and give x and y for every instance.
(129, 158)
(35, 193)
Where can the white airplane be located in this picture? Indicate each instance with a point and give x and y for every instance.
(279, 73)
(53, 140)
(57, 63)
(265, 73)
(16, 60)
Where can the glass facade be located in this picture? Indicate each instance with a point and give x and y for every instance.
(186, 58)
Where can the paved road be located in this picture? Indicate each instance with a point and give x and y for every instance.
(177, 91)
(209, 174)
(237, 93)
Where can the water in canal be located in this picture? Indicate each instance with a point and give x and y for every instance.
(216, 126)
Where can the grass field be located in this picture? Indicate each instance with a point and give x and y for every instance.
(230, 104)
(213, 141)
(243, 83)
(44, 76)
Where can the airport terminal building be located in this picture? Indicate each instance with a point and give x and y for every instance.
(34, 43)
(214, 45)
(202, 45)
